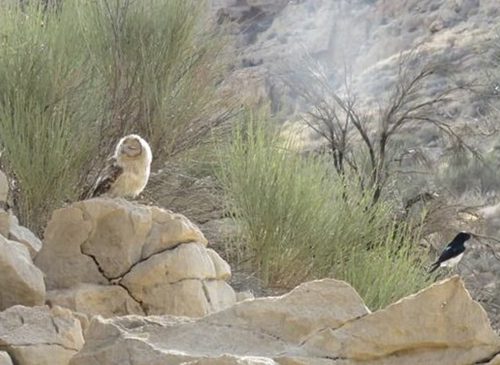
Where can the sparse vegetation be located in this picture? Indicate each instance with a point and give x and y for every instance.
(374, 141)
(77, 76)
(300, 220)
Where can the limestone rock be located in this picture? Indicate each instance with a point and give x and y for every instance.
(188, 261)
(40, 335)
(222, 268)
(21, 282)
(247, 332)
(220, 295)
(118, 226)
(439, 325)
(5, 358)
(170, 229)
(24, 235)
(181, 281)
(61, 257)
(322, 322)
(307, 308)
(106, 300)
(158, 259)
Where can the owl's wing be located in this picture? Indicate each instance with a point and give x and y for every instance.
(108, 175)
(106, 179)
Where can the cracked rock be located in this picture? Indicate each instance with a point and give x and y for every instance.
(322, 322)
(115, 257)
(40, 335)
(438, 325)
(107, 300)
(248, 333)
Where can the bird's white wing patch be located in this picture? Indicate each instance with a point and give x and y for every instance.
(453, 261)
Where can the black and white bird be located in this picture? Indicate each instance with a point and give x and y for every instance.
(453, 252)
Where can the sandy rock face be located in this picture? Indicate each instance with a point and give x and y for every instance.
(441, 325)
(107, 300)
(318, 323)
(40, 335)
(250, 332)
(21, 281)
(114, 257)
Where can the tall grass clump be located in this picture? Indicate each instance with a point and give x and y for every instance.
(160, 61)
(77, 76)
(48, 107)
(301, 221)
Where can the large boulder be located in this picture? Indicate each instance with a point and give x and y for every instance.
(21, 281)
(439, 325)
(114, 257)
(250, 332)
(322, 322)
(40, 335)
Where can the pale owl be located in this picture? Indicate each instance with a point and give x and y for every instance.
(128, 171)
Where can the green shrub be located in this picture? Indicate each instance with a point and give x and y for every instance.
(301, 221)
(48, 106)
(75, 78)
(160, 62)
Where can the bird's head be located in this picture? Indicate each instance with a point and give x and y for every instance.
(130, 146)
(463, 236)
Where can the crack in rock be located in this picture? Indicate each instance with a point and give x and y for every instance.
(207, 294)
(319, 330)
(488, 359)
(119, 277)
(111, 280)
(5, 347)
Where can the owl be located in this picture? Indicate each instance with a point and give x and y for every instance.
(128, 171)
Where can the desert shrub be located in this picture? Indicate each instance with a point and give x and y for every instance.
(300, 220)
(48, 108)
(77, 76)
(462, 172)
(160, 62)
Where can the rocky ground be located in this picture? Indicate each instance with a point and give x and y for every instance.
(119, 282)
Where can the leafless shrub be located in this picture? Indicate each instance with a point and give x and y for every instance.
(366, 141)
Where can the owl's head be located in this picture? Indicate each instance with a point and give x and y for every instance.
(133, 147)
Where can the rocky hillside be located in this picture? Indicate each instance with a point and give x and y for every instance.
(359, 36)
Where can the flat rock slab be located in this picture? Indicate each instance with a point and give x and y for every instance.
(322, 322)
(115, 257)
(40, 335)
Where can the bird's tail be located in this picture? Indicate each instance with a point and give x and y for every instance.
(434, 266)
